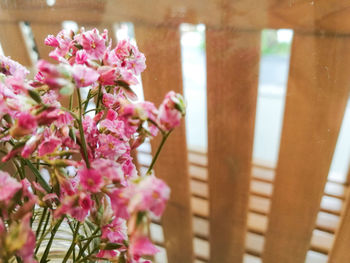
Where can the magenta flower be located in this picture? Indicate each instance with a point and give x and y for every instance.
(8, 186)
(81, 57)
(112, 171)
(51, 41)
(26, 124)
(84, 76)
(91, 180)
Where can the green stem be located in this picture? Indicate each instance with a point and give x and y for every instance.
(43, 215)
(165, 137)
(48, 246)
(90, 254)
(71, 102)
(81, 252)
(73, 243)
(42, 234)
(81, 131)
(86, 102)
(98, 99)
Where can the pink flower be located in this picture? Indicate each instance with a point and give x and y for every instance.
(137, 64)
(116, 231)
(49, 145)
(107, 75)
(171, 111)
(81, 56)
(140, 246)
(8, 186)
(90, 179)
(122, 49)
(93, 44)
(26, 124)
(31, 145)
(84, 76)
(26, 252)
(110, 147)
(119, 203)
(78, 206)
(111, 171)
(52, 41)
(13, 68)
(150, 194)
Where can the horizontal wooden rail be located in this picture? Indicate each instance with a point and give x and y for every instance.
(303, 16)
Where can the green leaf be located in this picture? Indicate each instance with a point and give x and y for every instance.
(34, 95)
(111, 246)
(37, 174)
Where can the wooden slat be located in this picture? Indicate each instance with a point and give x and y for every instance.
(301, 15)
(340, 250)
(40, 32)
(13, 44)
(318, 89)
(162, 48)
(232, 77)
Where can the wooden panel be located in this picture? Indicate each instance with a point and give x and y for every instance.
(318, 90)
(13, 44)
(301, 15)
(232, 77)
(340, 250)
(162, 49)
(40, 32)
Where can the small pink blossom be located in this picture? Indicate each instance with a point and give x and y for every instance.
(90, 179)
(8, 186)
(141, 246)
(52, 41)
(107, 75)
(49, 145)
(116, 231)
(84, 76)
(81, 56)
(93, 44)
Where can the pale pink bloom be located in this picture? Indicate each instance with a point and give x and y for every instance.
(151, 194)
(81, 56)
(116, 231)
(93, 44)
(8, 186)
(107, 254)
(128, 77)
(119, 203)
(49, 145)
(110, 100)
(91, 180)
(141, 246)
(31, 145)
(26, 124)
(110, 170)
(51, 98)
(51, 41)
(129, 169)
(13, 68)
(137, 64)
(122, 49)
(27, 250)
(171, 111)
(110, 147)
(84, 76)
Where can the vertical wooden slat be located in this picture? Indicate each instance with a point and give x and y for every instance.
(340, 251)
(318, 89)
(13, 44)
(161, 46)
(40, 32)
(232, 80)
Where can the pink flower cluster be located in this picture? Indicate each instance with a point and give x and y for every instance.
(90, 174)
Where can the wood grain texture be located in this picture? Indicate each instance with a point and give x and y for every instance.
(13, 44)
(340, 249)
(318, 90)
(323, 16)
(161, 47)
(232, 79)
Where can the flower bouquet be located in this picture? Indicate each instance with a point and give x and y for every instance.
(74, 192)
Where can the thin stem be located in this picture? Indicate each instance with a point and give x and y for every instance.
(71, 102)
(48, 246)
(165, 137)
(98, 99)
(86, 102)
(81, 252)
(42, 234)
(81, 131)
(43, 215)
(73, 243)
(91, 253)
